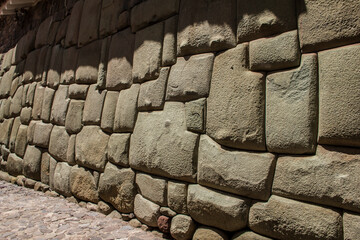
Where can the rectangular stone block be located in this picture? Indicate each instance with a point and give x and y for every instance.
(83, 185)
(30, 94)
(78, 91)
(93, 105)
(38, 102)
(58, 145)
(43, 32)
(88, 29)
(72, 31)
(176, 196)
(30, 66)
(47, 103)
(74, 116)
(61, 179)
(32, 163)
(108, 113)
(12, 134)
(118, 149)
(146, 211)
(45, 168)
(70, 155)
(21, 140)
(54, 72)
(41, 63)
(42, 133)
(88, 63)
(196, 115)
(169, 52)
(351, 223)
(153, 188)
(110, 11)
(69, 63)
(14, 165)
(60, 105)
(15, 104)
(25, 115)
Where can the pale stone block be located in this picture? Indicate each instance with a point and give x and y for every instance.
(146, 211)
(74, 116)
(195, 115)
(46, 105)
(14, 165)
(38, 102)
(351, 228)
(176, 196)
(21, 140)
(78, 91)
(60, 105)
(82, 184)
(54, 71)
(43, 32)
(108, 112)
(152, 188)
(61, 179)
(68, 67)
(182, 227)
(169, 52)
(45, 168)
(42, 133)
(93, 105)
(58, 145)
(89, 24)
(88, 62)
(32, 163)
(118, 149)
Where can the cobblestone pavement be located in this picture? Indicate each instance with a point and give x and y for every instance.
(28, 214)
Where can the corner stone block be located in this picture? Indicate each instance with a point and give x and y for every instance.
(243, 173)
(108, 112)
(152, 188)
(206, 26)
(42, 133)
(69, 64)
(74, 116)
(60, 105)
(21, 140)
(339, 96)
(292, 108)
(38, 102)
(72, 31)
(45, 168)
(330, 177)
(236, 103)
(47, 103)
(323, 24)
(213, 208)
(90, 148)
(83, 185)
(14, 165)
(147, 54)
(62, 179)
(32, 163)
(176, 196)
(189, 78)
(118, 149)
(195, 115)
(88, 63)
(93, 106)
(146, 211)
(88, 29)
(54, 71)
(283, 218)
(160, 144)
(273, 53)
(351, 223)
(58, 145)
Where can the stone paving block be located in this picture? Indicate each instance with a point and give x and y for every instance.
(12, 134)
(15, 104)
(339, 97)
(329, 178)
(43, 32)
(351, 225)
(160, 144)
(169, 52)
(25, 115)
(248, 235)
(47, 104)
(206, 26)
(205, 232)
(54, 72)
(14, 165)
(42, 133)
(78, 91)
(208, 207)
(38, 102)
(108, 112)
(118, 149)
(263, 18)
(88, 29)
(152, 188)
(70, 155)
(32, 163)
(88, 63)
(60, 105)
(189, 78)
(273, 53)
(147, 54)
(72, 31)
(74, 116)
(21, 140)
(110, 11)
(90, 148)
(93, 105)
(283, 218)
(58, 145)
(182, 227)
(62, 179)
(195, 115)
(30, 66)
(176, 196)
(45, 168)
(69, 63)
(82, 184)
(146, 211)
(41, 63)
(236, 103)
(120, 60)
(323, 24)
(292, 108)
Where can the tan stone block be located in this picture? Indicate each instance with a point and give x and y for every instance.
(93, 105)
(74, 116)
(108, 112)
(88, 29)
(58, 145)
(88, 62)
(60, 105)
(152, 188)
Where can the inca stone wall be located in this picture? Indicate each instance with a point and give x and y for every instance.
(209, 119)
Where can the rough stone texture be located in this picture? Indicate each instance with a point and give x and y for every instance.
(169, 43)
(110, 11)
(351, 226)
(93, 105)
(29, 136)
(41, 63)
(160, 144)
(46, 66)
(82, 185)
(60, 105)
(108, 112)
(15, 104)
(70, 155)
(152, 188)
(62, 179)
(42, 133)
(72, 31)
(12, 134)
(217, 209)
(176, 196)
(116, 186)
(74, 116)
(52, 166)
(291, 108)
(329, 178)
(105, 208)
(32, 163)
(167, 212)
(88, 29)
(243, 173)
(78, 91)
(146, 211)
(14, 165)
(195, 115)
(30, 67)
(323, 24)
(189, 78)
(42, 32)
(339, 98)
(45, 168)
(120, 60)
(88, 62)
(21, 140)
(68, 67)
(182, 227)
(6, 62)
(54, 71)
(102, 68)
(5, 83)
(236, 103)
(248, 235)
(283, 218)
(204, 232)
(147, 54)
(126, 111)
(273, 53)
(206, 26)
(118, 149)
(38, 102)
(90, 147)
(47, 103)
(163, 223)
(58, 145)
(61, 31)
(152, 93)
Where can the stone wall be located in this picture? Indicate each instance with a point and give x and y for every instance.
(210, 119)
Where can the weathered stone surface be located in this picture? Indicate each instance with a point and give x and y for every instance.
(93, 105)
(110, 11)
(6, 62)
(15, 104)
(323, 24)
(195, 115)
(126, 111)
(146, 211)
(47, 103)
(135, 223)
(102, 68)
(243, 173)
(120, 60)
(55, 26)
(60, 105)
(21, 140)
(78, 91)
(339, 97)
(273, 53)
(14, 85)
(61, 31)
(43, 32)
(45, 168)
(176, 196)
(182, 227)
(30, 67)
(117, 187)
(351, 228)
(118, 149)
(47, 61)
(70, 155)
(167, 211)
(23, 97)
(108, 112)
(14, 165)
(58, 145)
(82, 184)
(90, 148)
(189, 78)
(283, 218)
(204, 232)
(105, 208)
(24, 46)
(147, 54)
(41, 63)
(38, 102)
(6, 108)
(72, 31)
(12, 134)
(62, 179)
(88, 29)
(236, 103)
(217, 209)
(68, 67)
(206, 26)
(169, 52)
(152, 188)
(52, 166)
(5, 83)
(42, 133)
(74, 116)
(30, 132)
(32, 163)
(88, 62)
(53, 75)
(152, 93)
(329, 178)
(160, 144)
(248, 235)
(163, 223)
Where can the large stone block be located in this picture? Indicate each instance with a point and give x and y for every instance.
(351, 227)
(58, 145)
(14, 165)
(72, 31)
(108, 112)
(30, 94)
(30, 67)
(32, 163)
(74, 116)
(38, 102)
(42, 133)
(93, 105)
(45, 168)
(60, 105)
(61, 31)
(283, 218)
(41, 63)
(152, 188)
(30, 132)
(292, 108)
(217, 209)
(160, 144)
(61, 179)
(110, 13)
(88, 62)
(204, 233)
(83, 185)
(13, 133)
(323, 24)
(52, 167)
(54, 71)
(189, 78)
(70, 155)
(118, 149)
(78, 91)
(176, 196)
(48, 97)
(21, 140)
(243, 173)
(329, 178)
(90, 148)
(25, 115)
(236, 103)
(117, 187)
(5, 83)
(146, 211)
(68, 67)
(169, 52)
(6, 62)
(182, 227)
(339, 96)
(15, 105)
(89, 24)
(43, 32)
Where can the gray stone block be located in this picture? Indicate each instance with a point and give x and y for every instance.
(118, 149)
(146, 211)
(68, 67)
(41, 63)
(43, 32)
(70, 155)
(25, 115)
(45, 168)
(351, 223)
(61, 179)
(15, 104)
(176, 196)
(42, 133)
(110, 11)
(72, 31)
(196, 115)
(21, 140)
(14, 165)
(60, 105)
(46, 105)
(58, 145)
(108, 112)
(74, 116)
(93, 105)
(182, 227)
(88, 62)
(38, 102)
(89, 24)
(78, 91)
(83, 185)
(152, 188)
(54, 71)
(204, 232)
(248, 235)
(5, 83)
(169, 52)
(12, 134)
(32, 163)
(30, 66)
